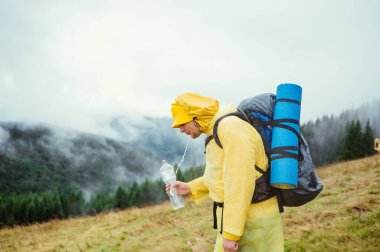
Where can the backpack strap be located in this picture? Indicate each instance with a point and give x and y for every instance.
(280, 200)
(283, 152)
(267, 190)
(221, 205)
(271, 191)
(215, 129)
(260, 170)
(288, 100)
(208, 139)
(279, 123)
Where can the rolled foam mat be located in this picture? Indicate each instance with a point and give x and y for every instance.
(285, 137)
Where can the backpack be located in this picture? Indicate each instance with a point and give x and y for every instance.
(258, 111)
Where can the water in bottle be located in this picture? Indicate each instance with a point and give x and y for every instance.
(168, 176)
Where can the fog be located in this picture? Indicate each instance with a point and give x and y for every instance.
(93, 163)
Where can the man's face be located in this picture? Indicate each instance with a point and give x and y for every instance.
(191, 128)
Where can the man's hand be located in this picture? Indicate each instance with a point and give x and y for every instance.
(180, 187)
(230, 246)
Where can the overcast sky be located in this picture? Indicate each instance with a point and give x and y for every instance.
(78, 63)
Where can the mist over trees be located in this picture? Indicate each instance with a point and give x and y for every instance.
(332, 138)
(39, 158)
(357, 144)
(27, 208)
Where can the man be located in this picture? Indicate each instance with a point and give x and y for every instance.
(229, 176)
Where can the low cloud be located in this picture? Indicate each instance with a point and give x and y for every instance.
(4, 136)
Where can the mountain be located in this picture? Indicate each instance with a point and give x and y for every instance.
(157, 136)
(40, 157)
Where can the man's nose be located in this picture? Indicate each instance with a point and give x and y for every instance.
(181, 129)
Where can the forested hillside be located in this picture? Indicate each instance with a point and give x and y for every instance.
(326, 135)
(46, 173)
(40, 158)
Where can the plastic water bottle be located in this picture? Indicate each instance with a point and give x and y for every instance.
(168, 176)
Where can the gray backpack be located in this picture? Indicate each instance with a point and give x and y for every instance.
(258, 111)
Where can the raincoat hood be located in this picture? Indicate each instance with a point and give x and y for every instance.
(189, 106)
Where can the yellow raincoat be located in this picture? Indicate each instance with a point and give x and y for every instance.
(229, 177)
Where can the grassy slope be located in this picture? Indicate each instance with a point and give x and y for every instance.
(345, 217)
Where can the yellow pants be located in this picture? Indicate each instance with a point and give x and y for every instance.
(263, 229)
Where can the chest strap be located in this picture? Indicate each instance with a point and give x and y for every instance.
(218, 204)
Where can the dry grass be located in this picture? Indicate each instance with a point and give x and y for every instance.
(155, 228)
(345, 217)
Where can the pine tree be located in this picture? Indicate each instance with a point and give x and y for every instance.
(359, 151)
(10, 211)
(121, 198)
(17, 208)
(2, 211)
(74, 203)
(180, 175)
(352, 143)
(148, 194)
(368, 140)
(58, 209)
(134, 198)
(31, 210)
